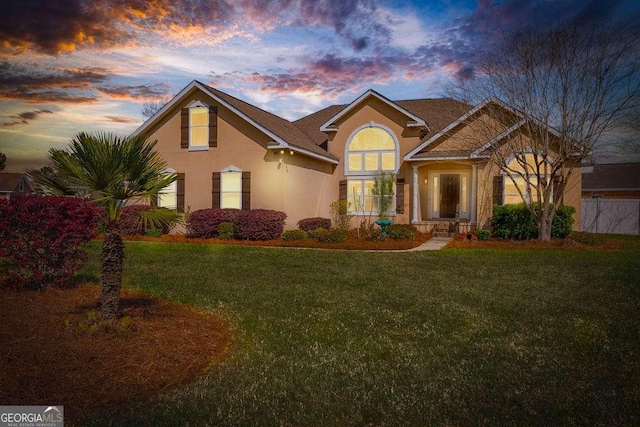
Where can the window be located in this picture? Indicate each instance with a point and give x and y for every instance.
(361, 198)
(519, 180)
(199, 128)
(168, 196)
(231, 189)
(371, 150)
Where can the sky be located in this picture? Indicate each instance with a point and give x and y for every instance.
(68, 66)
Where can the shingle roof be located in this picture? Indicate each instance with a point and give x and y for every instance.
(283, 128)
(613, 175)
(437, 112)
(8, 181)
(311, 124)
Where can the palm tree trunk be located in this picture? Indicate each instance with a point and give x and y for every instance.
(112, 265)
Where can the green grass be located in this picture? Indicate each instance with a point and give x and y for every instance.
(453, 337)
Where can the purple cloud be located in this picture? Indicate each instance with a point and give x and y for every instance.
(26, 117)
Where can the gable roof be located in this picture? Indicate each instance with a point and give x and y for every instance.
(612, 176)
(414, 121)
(284, 133)
(9, 181)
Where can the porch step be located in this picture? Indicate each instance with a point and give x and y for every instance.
(439, 233)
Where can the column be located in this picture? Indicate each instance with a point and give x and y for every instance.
(474, 193)
(414, 219)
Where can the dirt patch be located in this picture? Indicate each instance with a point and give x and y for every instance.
(353, 242)
(50, 355)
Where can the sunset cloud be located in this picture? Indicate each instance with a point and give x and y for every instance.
(121, 119)
(142, 92)
(25, 117)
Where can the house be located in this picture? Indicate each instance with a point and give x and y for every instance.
(611, 181)
(229, 153)
(611, 198)
(15, 184)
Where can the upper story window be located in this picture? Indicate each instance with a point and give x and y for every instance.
(371, 150)
(199, 127)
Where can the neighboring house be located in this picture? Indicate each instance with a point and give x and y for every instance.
(12, 184)
(229, 153)
(611, 198)
(611, 181)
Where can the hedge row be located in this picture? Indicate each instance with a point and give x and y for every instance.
(516, 222)
(253, 224)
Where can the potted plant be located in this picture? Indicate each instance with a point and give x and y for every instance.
(383, 190)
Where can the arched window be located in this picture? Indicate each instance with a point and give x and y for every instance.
(371, 150)
(521, 177)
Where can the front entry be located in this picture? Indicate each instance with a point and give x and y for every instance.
(449, 195)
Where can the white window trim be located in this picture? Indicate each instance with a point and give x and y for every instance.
(199, 104)
(352, 209)
(506, 176)
(227, 170)
(169, 190)
(433, 197)
(379, 171)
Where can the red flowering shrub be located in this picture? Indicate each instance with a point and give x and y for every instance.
(310, 224)
(259, 224)
(205, 223)
(254, 224)
(42, 236)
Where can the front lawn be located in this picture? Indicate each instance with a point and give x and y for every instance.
(451, 337)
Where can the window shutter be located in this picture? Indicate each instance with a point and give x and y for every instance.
(400, 195)
(556, 193)
(342, 190)
(184, 128)
(246, 190)
(180, 193)
(498, 184)
(213, 126)
(215, 190)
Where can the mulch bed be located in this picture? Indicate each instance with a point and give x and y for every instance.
(353, 242)
(554, 244)
(51, 355)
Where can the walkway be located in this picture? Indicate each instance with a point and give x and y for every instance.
(432, 244)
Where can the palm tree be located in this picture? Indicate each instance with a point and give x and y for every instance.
(111, 170)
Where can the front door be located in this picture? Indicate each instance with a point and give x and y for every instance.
(449, 195)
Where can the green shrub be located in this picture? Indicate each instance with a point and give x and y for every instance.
(294, 235)
(482, 234)
(153, 232)
(315, 234)
(590, 239)
(516, 222)
(225, 231)
(331, 235)
(402, 231)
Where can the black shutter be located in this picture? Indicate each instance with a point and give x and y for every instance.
(400, 195)
(498, 184)
(180, 193)
(184, 128)
(246, 190)
(213, 126)
(342, 190)
(215, 190)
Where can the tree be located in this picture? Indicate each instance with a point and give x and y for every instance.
(111, 170)
(565, 90)
(3, 161)
(149, 108)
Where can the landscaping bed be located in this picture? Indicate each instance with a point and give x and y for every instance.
(53, 353)
(352, 242)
